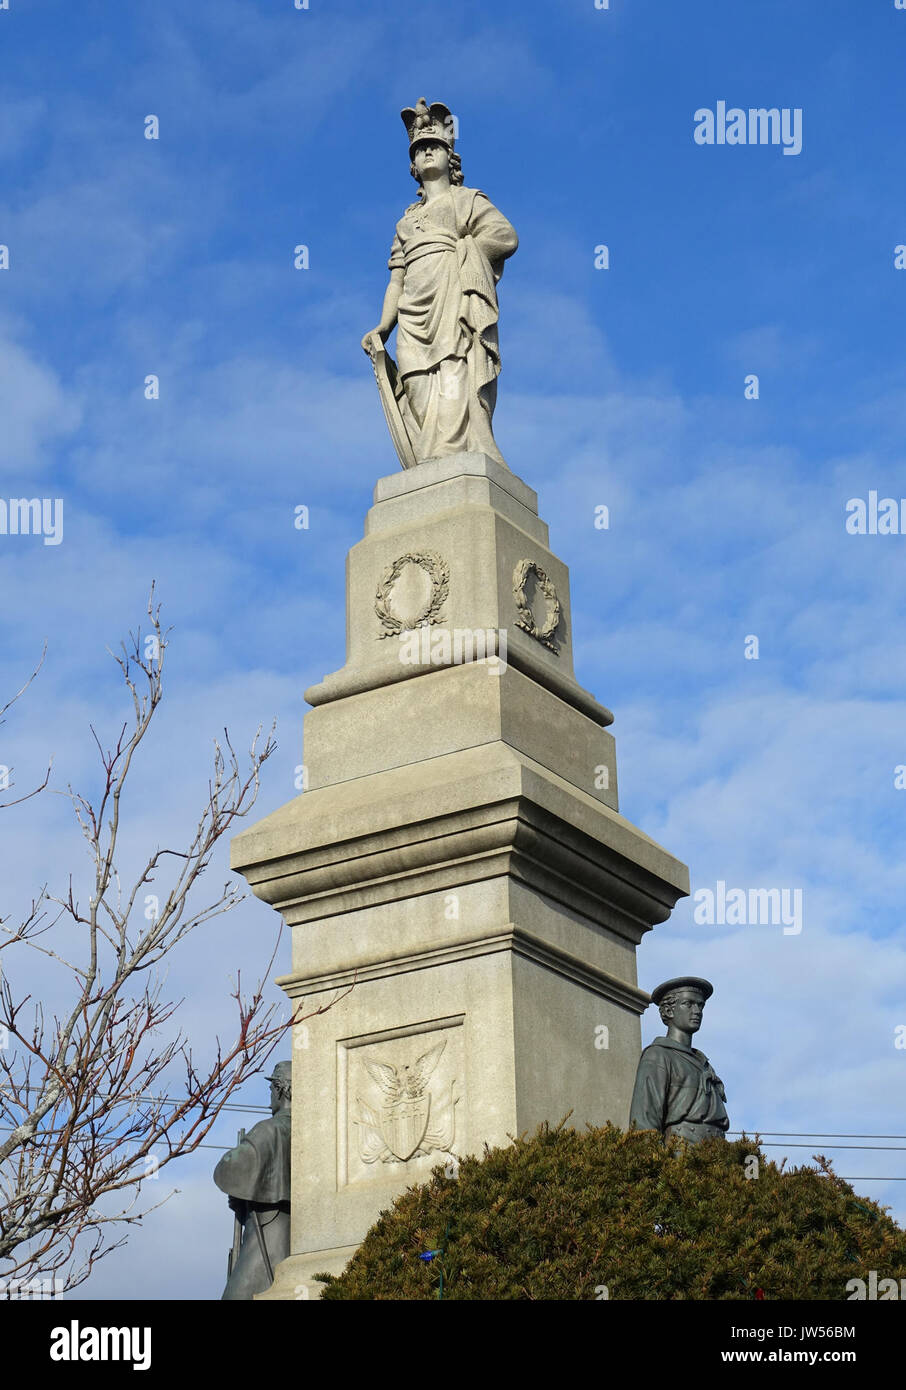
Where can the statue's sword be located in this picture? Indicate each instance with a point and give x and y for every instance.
(264, 1255)
(390, 389)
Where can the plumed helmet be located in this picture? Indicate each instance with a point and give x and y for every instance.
(424, 122)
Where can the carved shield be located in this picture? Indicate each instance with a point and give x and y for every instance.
(390, 389)
(404, 1125)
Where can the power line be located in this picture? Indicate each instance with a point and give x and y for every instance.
(743, 1133)
(804, 1134)
(863, 1148)
(168, 1100)
(858, 1177)
(5, 1130)
(778, 1134)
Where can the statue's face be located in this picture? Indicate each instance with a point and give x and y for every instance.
(280, 1096)
(431, 159)
(687, 1011)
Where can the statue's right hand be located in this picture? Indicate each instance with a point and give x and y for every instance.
(366, 341)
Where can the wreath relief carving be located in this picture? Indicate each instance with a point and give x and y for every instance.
(437, 570)
(526, 620)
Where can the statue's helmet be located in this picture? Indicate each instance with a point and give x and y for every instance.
(424, 122)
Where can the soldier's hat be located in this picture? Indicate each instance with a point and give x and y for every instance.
(704, 987)
(283, 1071)
(424, 122)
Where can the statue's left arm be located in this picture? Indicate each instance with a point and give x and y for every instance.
(237, 1172)
(492, 233)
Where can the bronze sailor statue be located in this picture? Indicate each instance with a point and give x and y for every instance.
(676, 1089)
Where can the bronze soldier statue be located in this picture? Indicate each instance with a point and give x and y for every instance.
(676, 1089)
(255, 1175)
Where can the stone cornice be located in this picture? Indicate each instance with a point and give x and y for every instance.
(551, 837)
(344, 683)
(512, 938)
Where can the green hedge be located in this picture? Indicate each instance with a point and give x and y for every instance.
(564, 1215)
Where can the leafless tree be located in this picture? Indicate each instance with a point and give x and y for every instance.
(4, 770)
(84, 1113)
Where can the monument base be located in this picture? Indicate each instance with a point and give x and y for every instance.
(472, 922)
(463, 893)
(294, 1277)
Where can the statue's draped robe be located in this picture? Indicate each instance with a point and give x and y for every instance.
(452, 252)
(256, 1176)
(678, 1092)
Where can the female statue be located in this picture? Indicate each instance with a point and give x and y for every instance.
(445, 261)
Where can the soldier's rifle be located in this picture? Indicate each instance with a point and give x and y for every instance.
(233, 1256)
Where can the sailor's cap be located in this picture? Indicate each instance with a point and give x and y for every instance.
(704, 987)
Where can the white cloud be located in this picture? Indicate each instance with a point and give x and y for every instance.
(35, 409)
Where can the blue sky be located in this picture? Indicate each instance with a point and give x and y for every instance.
(621, 387)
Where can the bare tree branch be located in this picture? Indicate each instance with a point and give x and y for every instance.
(17, 801)
(85, 1112)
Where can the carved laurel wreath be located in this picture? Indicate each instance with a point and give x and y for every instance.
(437, 570)
(526, 619)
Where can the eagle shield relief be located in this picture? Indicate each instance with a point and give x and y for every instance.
(406, 1126)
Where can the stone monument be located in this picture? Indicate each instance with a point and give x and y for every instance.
(458, 857)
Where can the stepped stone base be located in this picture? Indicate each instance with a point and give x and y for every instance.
(461, 887)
